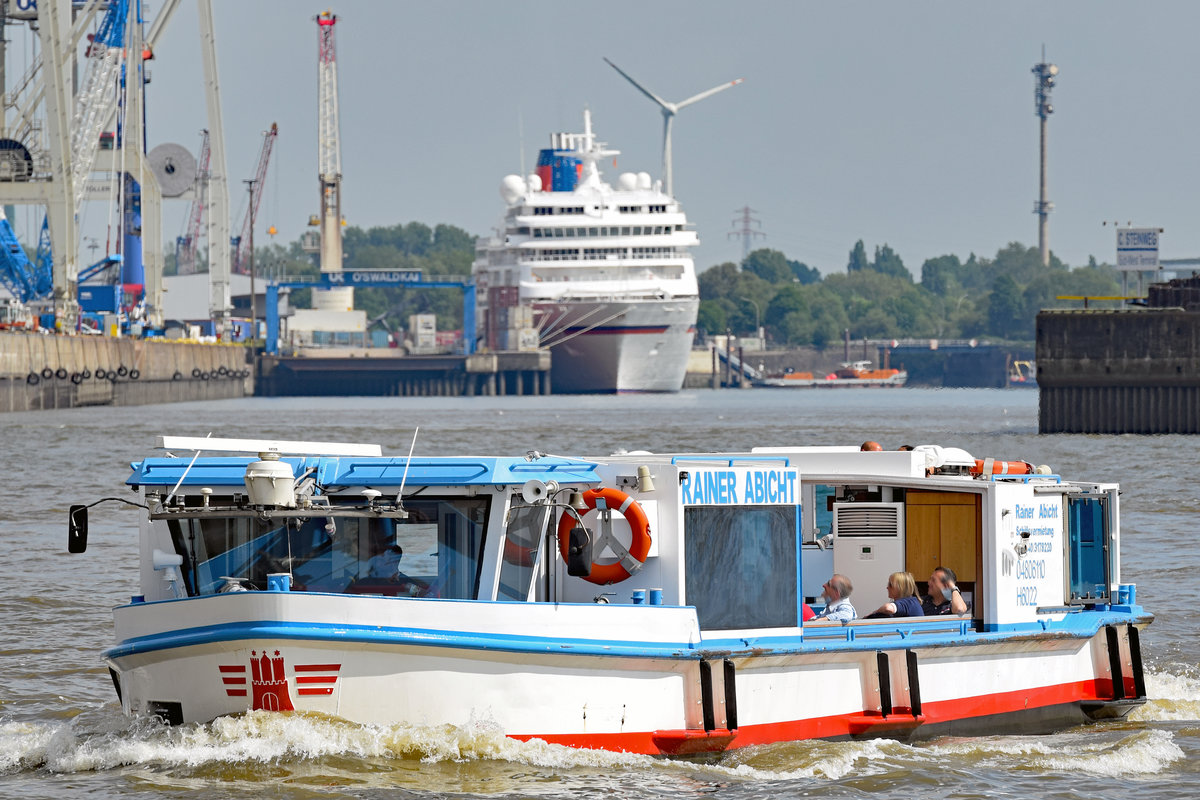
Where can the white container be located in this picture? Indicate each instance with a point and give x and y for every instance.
(269, 482)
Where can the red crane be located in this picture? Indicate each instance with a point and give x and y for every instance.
(256, 192)
(185, 246)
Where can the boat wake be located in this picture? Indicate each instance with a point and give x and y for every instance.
(310, 748)
(1173, 698)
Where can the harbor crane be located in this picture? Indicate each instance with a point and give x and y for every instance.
(329, 166)
(187, 244)
(244, 241)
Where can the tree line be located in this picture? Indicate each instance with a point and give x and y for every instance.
(876, 297)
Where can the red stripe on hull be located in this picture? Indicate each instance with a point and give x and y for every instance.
(944, 711)
(318, 667)
(314, 691)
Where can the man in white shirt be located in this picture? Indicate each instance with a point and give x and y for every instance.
(837, 600)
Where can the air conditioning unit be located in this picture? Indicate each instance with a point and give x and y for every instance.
(868, 546)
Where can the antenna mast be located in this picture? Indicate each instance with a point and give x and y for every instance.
(1045, 75)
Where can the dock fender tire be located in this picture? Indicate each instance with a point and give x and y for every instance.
(122, 370)
(33, 379)
(47, 373)
(86, 374)
(101, 373)
(178, 376)
(61, 373)
(134, 374)
(195, 372)
(76, 378)
(222, 370)
(204, 376)
(628, 560)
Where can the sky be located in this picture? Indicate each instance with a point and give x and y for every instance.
(910, 124)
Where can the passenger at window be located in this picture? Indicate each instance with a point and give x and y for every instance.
(903, 602)
(386, 564)
(944, 596)
(837, 600)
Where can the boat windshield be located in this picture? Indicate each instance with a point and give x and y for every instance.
(433, 552)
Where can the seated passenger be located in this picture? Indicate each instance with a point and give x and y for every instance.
(944, 596)
(837, 600)
(386, 564)
(902, 590)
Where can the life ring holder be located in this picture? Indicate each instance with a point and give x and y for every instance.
(629, 560)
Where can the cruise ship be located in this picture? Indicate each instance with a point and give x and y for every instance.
(601, 275)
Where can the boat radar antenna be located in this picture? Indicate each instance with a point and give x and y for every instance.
(669, 110)
(404, 478)
(589, 151)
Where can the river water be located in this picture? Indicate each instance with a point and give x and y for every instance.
(62, 735)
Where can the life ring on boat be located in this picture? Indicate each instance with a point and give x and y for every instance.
(990, 466)
(628, 560)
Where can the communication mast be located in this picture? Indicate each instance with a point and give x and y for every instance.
(1044, 78)
(329, 166)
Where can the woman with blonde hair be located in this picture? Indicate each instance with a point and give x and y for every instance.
(903, 602)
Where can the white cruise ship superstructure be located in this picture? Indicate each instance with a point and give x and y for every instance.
(601, 275)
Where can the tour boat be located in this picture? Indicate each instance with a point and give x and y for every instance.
(646, 603)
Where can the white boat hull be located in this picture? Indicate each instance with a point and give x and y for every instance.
(616, 346)
(634, 684)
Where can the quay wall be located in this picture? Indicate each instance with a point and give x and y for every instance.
(1119, 371)
(45, 371)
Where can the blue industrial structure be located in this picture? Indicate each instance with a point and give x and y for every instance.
(371, 279)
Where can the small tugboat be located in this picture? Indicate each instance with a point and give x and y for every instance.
(648, 603)
(851, 373)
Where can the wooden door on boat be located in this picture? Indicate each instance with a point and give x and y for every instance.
(943, 529)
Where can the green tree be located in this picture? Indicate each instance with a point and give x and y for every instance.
(889, 263)
(770, 265)
(1006, 310)
(858, 258)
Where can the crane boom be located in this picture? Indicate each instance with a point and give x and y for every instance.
(256, 193)
(186, 245)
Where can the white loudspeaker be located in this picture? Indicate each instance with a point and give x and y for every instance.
(163, 560)
(534, 491)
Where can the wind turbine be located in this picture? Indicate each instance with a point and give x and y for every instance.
(669, 110)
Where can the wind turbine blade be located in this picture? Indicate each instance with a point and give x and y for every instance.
(666, 106)
(709, 93)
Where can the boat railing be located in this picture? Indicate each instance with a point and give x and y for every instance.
(889, 628)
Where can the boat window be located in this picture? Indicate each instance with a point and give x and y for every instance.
(522, 544)
(434, 552)
(740, 566)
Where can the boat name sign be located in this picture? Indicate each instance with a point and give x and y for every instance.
(740, 486)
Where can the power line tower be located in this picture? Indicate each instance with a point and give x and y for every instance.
(747, 232)
(1044, 78)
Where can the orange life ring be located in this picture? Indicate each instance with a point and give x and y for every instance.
(1001, 467)
(628, 560)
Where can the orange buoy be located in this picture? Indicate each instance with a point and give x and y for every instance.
(990, 466)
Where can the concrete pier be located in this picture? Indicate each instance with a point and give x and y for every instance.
(44, 371)
(1126, 371)
(374, 373)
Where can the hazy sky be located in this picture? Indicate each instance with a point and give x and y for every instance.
(910, 124)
